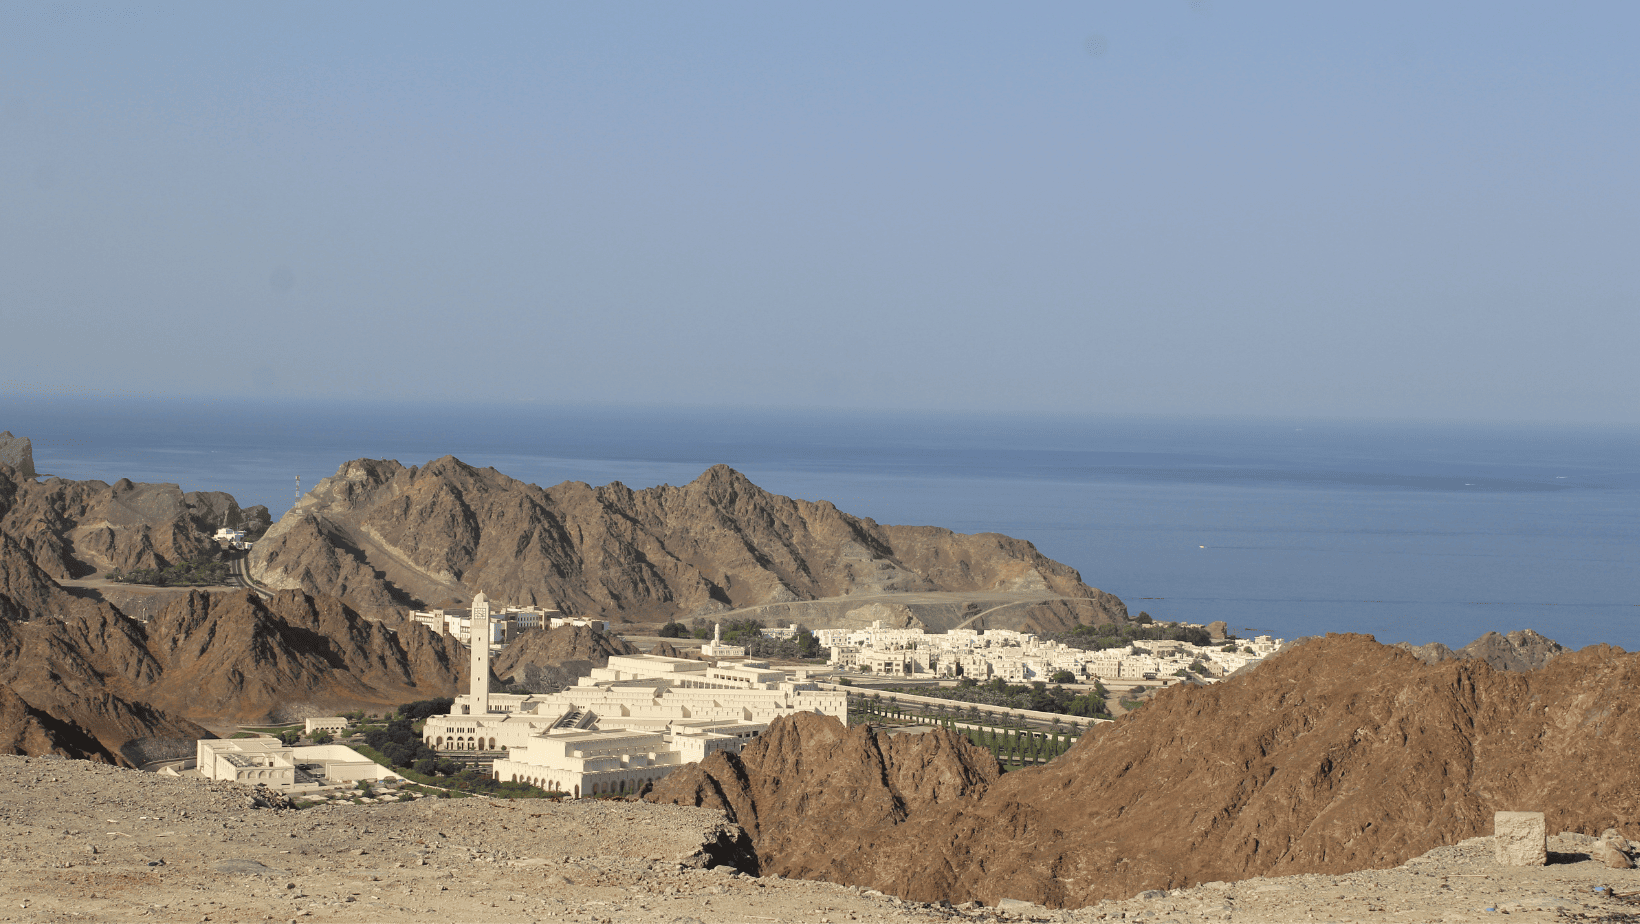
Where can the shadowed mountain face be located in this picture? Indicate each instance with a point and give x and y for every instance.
(72, 529)
(383, 536)
(1335, 755)
(90, 681)
(237, 657)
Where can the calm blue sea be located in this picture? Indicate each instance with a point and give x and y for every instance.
(1417, 532)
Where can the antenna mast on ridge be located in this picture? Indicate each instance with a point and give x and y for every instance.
(298, 490)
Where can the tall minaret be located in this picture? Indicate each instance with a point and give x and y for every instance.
(478, 640)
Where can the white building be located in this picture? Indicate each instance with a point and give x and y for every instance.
(627, 724)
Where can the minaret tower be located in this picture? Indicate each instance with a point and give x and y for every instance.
(478, 640)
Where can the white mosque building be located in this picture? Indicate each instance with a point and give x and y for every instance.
(628, 724)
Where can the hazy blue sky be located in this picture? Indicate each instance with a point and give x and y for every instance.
(1372, 209)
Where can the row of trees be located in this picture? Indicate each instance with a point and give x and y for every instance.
(1018, 747)
(1110, 635)
(195, 572)
(1037, 696)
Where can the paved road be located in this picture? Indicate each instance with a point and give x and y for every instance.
(242, 577)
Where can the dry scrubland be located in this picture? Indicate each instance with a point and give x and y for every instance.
(88, 842)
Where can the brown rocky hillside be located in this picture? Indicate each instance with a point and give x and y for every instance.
(1338, 754)
(383, 536)
(237, 657)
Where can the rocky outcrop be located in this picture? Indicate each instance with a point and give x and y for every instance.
(1522, 650)
(557, 657)
(1432, 653)
(669, 650)
(29, 731)
(809, 778)
(17, 454)
(383, 536)
(72, 529)
(1335, 755)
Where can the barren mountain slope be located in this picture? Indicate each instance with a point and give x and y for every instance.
(75, 528)
(27, 591)
(212, 657)
(1338, 754)
(381, 536)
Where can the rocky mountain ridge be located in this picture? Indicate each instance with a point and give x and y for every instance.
(384, 536)
(1338, 754)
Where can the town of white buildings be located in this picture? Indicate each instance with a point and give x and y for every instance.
(644, 716)
(627, 724)
(1019, 657)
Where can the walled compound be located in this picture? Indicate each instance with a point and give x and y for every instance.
(1017, 657)
(627, 724)
(272, 763)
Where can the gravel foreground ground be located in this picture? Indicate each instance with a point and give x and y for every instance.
(88, 842)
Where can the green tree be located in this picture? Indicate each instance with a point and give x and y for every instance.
(1062, 676)
(323, 736)
(674, 629)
